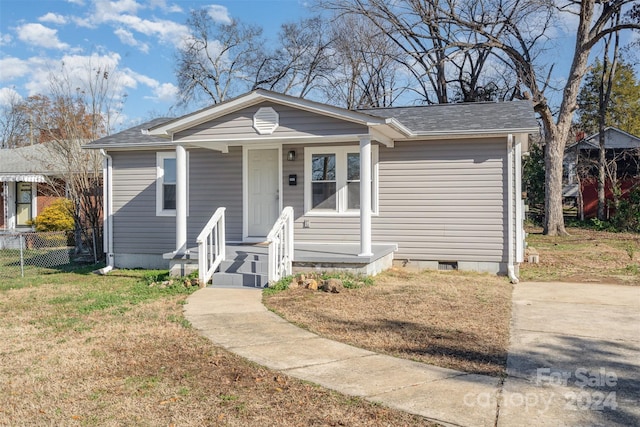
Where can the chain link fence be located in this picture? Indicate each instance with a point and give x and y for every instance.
(32, 253)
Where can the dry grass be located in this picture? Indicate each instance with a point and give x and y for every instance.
(585, 256)
(85, 350)
(450, 319)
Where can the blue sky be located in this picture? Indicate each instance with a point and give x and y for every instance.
(137, 36)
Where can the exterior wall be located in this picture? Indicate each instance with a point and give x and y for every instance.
(292, 123)
(438, 200)
(215, 180)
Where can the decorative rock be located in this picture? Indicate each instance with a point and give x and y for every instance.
(335, 285)
(332, 285)
(293, 285)
(311, 284)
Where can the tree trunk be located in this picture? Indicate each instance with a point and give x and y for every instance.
(554, 150)
(602, 214)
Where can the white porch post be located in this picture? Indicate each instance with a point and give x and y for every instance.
(181, 199)
(365, 195)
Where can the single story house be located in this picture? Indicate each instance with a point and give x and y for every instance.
(26, 175)
(429, 186)
(622, 152)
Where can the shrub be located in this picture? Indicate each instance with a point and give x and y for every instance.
(56, 217)
(627, 216)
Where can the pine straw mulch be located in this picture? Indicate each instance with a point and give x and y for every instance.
(451, 319)
(143, 365)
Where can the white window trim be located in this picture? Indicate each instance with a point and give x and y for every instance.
(341, 180)
(160, 157)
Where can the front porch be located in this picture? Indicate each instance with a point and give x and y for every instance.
(247, 264)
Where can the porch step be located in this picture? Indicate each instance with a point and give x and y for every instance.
(244, 266)
(240, 279)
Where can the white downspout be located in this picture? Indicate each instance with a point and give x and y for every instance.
(511, 273)
(107, 193)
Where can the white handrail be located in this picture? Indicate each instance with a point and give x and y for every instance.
(211, 246)
(280, 240)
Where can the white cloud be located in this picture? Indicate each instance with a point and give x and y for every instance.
(106, 8)
(122, 14)
(8, 95)
(5, 39)
(219, 14)
(127, 38)
(53, 18)
(166, 92)
(12, 68)
(162, 4)
(78, 2)
(41, 36)
(166, 31)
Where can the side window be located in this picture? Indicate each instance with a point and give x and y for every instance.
(166, 183)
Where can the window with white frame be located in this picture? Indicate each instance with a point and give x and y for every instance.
(166, 174)
(332, 180)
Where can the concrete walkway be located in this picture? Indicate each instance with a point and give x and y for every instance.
(548, 332)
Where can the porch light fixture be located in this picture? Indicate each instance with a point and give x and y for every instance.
(291, 155)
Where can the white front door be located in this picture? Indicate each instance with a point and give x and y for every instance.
(263, 190)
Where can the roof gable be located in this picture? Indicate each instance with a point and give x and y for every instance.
(257, 97)
(613, 138)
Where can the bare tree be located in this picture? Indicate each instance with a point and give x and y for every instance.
(301, 61)
(366, 73)
(217, 60)
(14, 122)
(522, 49)
(82, 105)
(442, 69)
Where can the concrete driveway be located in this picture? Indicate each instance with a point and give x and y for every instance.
(574, 356)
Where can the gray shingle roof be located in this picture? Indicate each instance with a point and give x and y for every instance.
(132, 136)
(464, 117)
(32, 159)
(481, 117)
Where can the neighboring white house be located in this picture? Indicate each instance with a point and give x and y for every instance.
(24, 188)
(439, 185)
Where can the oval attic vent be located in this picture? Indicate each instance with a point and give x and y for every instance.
(265, 120)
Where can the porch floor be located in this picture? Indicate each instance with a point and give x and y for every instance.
(246, 264)
(329, 253)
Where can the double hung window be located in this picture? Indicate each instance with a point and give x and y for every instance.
(166, 184)
(332, 180)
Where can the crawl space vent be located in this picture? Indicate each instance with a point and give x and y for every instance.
(265, 120)
(447, 265)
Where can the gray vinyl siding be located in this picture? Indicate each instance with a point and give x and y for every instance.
(292, 123)
(438, 200)
(215, 180)
(443, 201)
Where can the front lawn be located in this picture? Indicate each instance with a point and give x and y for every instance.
(81, 349)
(451, 319)
(584, 256)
